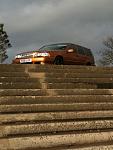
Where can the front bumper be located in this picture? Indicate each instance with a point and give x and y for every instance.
(39, 60)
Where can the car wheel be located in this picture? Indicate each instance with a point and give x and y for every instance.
(88, 64)
(58, 61)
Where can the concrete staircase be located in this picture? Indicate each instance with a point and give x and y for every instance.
(56, 107)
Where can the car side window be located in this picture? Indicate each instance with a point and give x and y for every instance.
(80, 50)
(88, 52)
(73, 47)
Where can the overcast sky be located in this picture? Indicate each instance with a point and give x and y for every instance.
(33, 23)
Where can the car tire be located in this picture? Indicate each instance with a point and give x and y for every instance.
(58, 61)
(88, 64)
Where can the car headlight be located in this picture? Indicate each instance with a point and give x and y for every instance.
(24, 55)
(41, 54)
(18, 56)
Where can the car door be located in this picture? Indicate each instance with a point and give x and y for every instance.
(73, 56)
(80, 57)
(70, 55)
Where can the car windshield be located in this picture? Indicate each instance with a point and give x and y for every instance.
(53, 47)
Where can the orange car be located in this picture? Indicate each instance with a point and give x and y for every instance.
(60, 53)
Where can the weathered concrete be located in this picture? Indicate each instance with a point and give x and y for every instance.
(56, 92)
(31, 85)
(20, 85)
(13, 74)
(99, 147)
(55, 140)
(40, 84)
(71, 85)
(69, 70)
(18, 79)
(75, 80)
(45, 99)
(69, 75)
(11, 68)
(38, 67)
(23, 129)
(51, 116)
(55, 107)
(21, 92)
(83, 91)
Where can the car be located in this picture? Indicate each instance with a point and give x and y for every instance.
(59, 54)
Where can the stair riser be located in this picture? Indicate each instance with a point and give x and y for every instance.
(55, 107)
(22, 85)
(100, 71)
(53, 141)
(18, 79)
(81, 80)
(6, 130)
(54, 116)
(71, 86)
(13, 74)
(9, 100)
(71, 75)
(56, 80)
(54, 92)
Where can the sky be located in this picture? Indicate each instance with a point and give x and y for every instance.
(31, 24)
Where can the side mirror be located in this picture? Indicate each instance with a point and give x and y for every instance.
(70, 50)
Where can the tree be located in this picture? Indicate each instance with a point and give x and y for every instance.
(107, 52)
(4, 43)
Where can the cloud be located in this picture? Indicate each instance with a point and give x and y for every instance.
(32, 23)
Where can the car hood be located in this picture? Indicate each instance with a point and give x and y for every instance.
(31, 54)
(25, 54)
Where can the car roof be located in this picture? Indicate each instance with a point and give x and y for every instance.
(58, 44)
(67, 44)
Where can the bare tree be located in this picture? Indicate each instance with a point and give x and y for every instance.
(107, 53)
(4, 43)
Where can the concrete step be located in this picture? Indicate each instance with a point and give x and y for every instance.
(70, 70)
(70, 85)
(24, 92)
(105, 146)
(70, 75)
(55, 84)
(79, 85)
(11, 66)
(52, 67)
(9, 100)
(80, 91)
(56, 140)
(55, 107)
(56, 80)
(31, 66)
(13, 74)
(54, 116)
(20, 85)
(76, 80)
(36, 66)
(18, 79)
(12, 69)
(54, 92)
(52, 127)
(32, 85)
